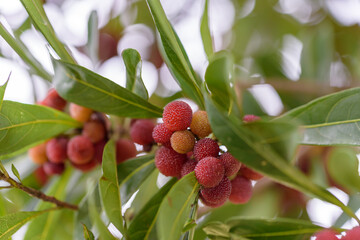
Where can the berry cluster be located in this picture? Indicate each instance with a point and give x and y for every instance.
(187, 147)
(331, 234)
(83, 147)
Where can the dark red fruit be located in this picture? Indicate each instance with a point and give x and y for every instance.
(161, 134)
(125, 149)
(94, 130)
(209, 172)
(169, 162)
(177, 115)
(188, 167)
(206, 147)
(56, 149)
(251, 118)
(80, 150)
(231, 164)
(210, 204)
(141, 131)
(54, 100)
(54, 168)
(249, 173)
(241, 190)
(41, 176)
(87, 166)
(326, 234)
(218, 194)
(352, 234)
(99, 150)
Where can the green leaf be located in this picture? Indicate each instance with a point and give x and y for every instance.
(15, 172)
(109, 187)
(132, 173)
(18, 46)
(343, 168)
(93, 37)
(23, 125)
(256, 152)
(330, 120)
(88, 235)
(175, 55)
(205, 31)
(84, 87)
(2, 90)
(134, 82)
(42, 23)
(10, 223)
(353, 204)
(255, 228)
(175, 208)
(144, 222)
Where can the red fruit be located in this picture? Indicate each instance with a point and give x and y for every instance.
(125, 149)
(209, 172)
(38, 154)
(80, 150)
(41, 176)
(241, 190)
(169, 162)
(182, 141)
(54, 100)
(251, 118)
(249, 173)
(99, 150)
(94, 130)
(218, 194)
(56, 149)
(141, 131)
(213, 205)
(54, 168)
(206, 147)
(87, 166)
(352, 234)
(326, 234)
(80, 113)
(188, 167)
(161, 134)
(231, 164)
(177, 115)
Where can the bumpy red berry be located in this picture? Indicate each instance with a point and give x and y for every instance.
(209, 172)
(177, 115)
(188, 167)
(94, 130)
(249, 173)
(231, 164)
(141, 131)
(99, 150)
(54, 100)
(326, 234)
(206, 147)
(251, 118)
(54, 168)
(41, 176)
(200, 125)
(169, 162)
(218, 194)
(213, 205)
(125, 149)
(241, 190)
(87, 166)
(161, 134)
(56, 149)
(352, 234)
(80, 150)
(80, 113)
(38, 154)
(182, 141)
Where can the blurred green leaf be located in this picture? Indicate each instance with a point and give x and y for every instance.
(144, 221)
(93, 37)
(175, 55)
(10, 223)
(205, 31)
(38, 16)
(2, 90)
(250, 105)
(84, 87)
(330, 120)
(15, 172)
(134, 82)
(257, 228)
(353, 204)
(24, 125)
(175, 207)
(109, 187)
(88, 235)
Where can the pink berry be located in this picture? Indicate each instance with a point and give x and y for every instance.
(177, 115)
(80, 150)
(87, 166)
(54, 168)
(249, 173)
(231, 164)
(99, 150)
(188, 167)
(94, 130)
(161, 134)
(241, 190)
(54, 100)
(141, 131)
(218, 194)
(213, 205)
(251, 118)
(56, 150)
(209, 172)
(352, 234)
(169, 162)
(326, 234)
(206, 147)
(125, 149)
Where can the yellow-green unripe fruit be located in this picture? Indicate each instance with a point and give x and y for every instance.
(182, 141)
(200, 125)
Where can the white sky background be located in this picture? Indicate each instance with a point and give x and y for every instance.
(70, 23)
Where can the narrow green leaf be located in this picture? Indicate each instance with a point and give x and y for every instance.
(330, 120)
(15, 172)
(2, 90)
(93, 37)
(88, 235)
(205, 31)
(252, 150)
(175, 208)
(10, 223)
(134, 82)
(132, 173)
(18, 46)
(109, 187)
(23, 125)
(42, 23)
(84, 87)
(175, 55)
(354, 205)
(258, 229)
(144, 222)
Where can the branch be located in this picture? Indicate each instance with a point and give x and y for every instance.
(36, 193)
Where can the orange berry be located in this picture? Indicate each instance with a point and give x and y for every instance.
(200, 125)
(38, 154)
(182, 141)
(80, 113)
